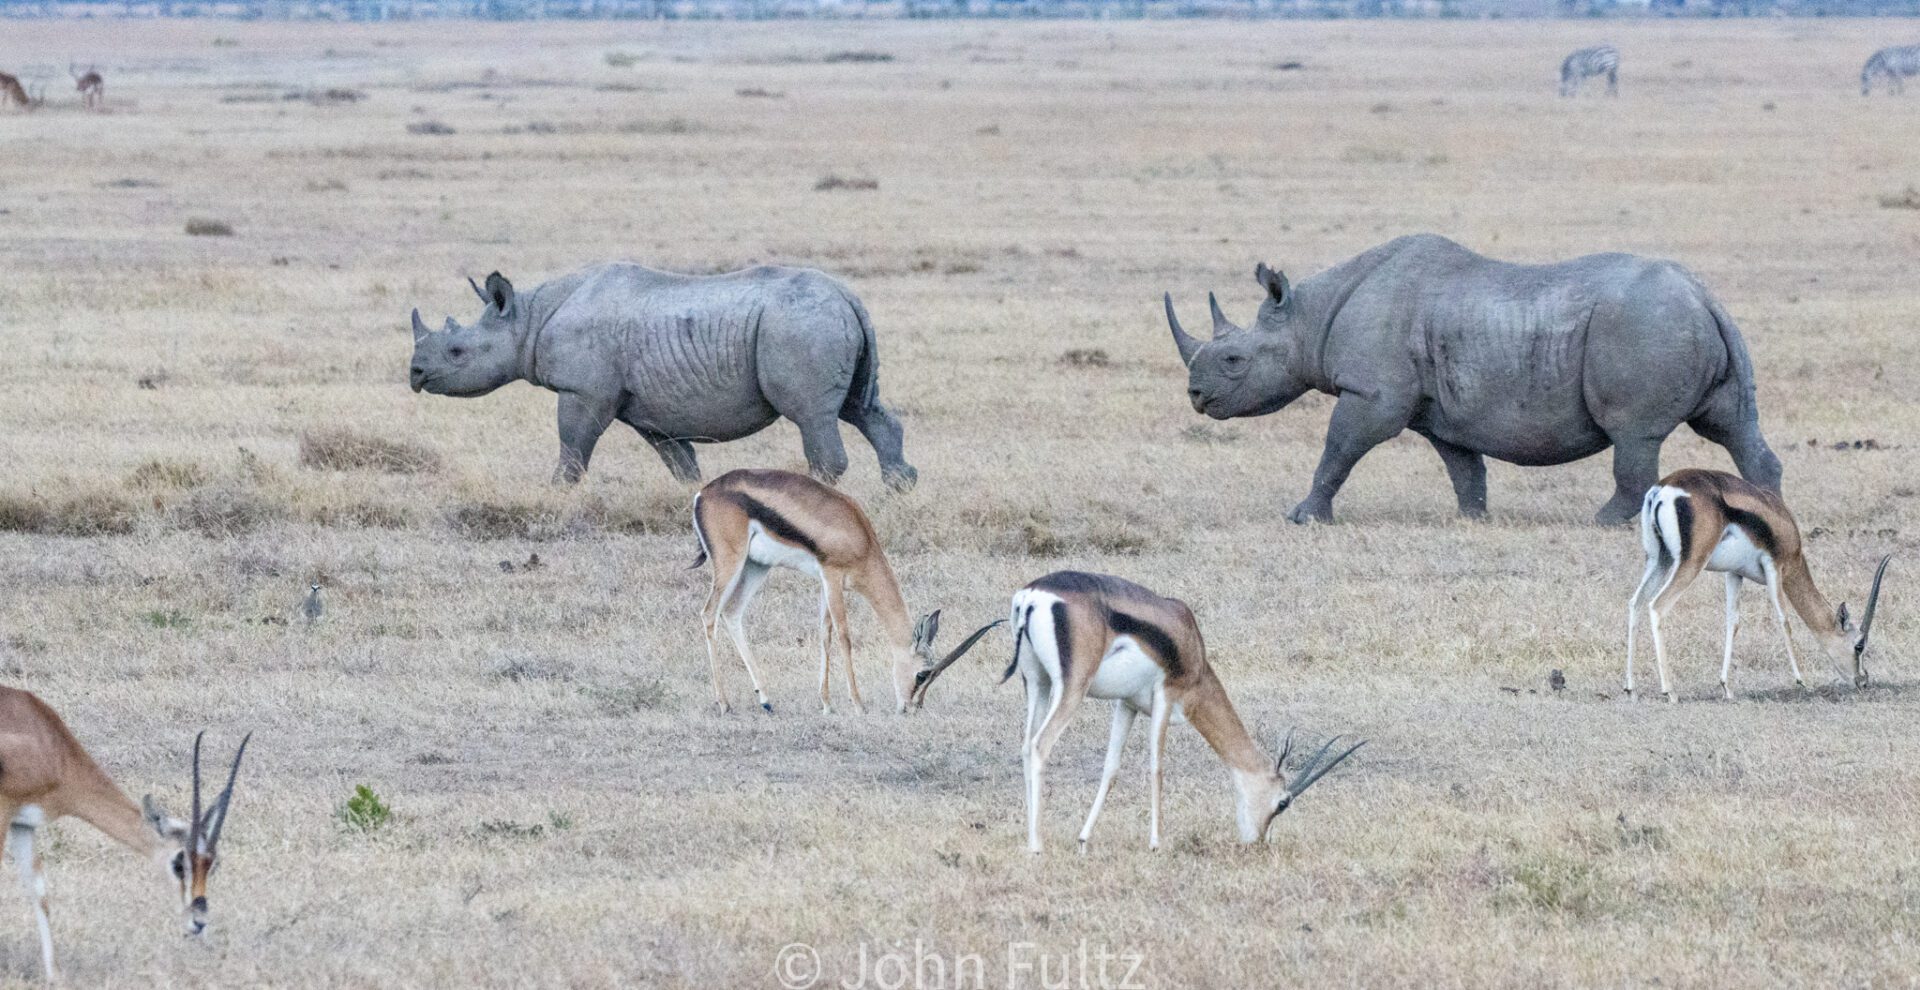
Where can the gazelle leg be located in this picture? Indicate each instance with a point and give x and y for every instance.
(1633, 615)
(734, 610)
(1156, 747)
(1116, 741)
(709, 621)
(1733, 626)
(1780, 614)
(33, 877)
(826, 644)
(1678, 578)
(1064, 701)
(837, 607)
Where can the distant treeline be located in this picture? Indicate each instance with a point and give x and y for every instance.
(516, 10)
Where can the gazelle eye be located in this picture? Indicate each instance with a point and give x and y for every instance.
(180, 865)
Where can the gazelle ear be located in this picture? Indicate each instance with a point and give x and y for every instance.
(164, 825)
(1846, 620)
(925, 631)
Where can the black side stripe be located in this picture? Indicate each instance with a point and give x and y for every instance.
(1151, 636)
(1683, 516)
(1757, 529)
(1062, 638)
(775, 523)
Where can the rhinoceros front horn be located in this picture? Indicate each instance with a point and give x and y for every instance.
(1189, 346)
(420, 330)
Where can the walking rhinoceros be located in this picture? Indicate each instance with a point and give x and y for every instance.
(682, 359)
(1531, 364)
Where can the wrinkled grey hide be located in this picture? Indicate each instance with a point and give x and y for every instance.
(682, 359)
(1532, 364)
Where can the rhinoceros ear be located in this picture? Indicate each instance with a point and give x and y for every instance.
(1274, 282)
(500, 293)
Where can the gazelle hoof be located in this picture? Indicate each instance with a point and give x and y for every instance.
(1670, 697)
(767, 706)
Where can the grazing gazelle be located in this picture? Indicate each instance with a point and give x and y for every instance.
(1078, 635)
(1695, 521)
(45, 775)
(749, 522)
(92, 88)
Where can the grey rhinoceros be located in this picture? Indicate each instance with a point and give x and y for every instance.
(682, 359)
(1531, 364)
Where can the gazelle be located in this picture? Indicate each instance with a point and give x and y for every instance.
(12, 92)
(1695, 521)
(92, 88)
(1078, 635)
(749, 522)
(45, 775)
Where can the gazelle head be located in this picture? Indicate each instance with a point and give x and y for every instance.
(913, 675)
(475, 359)
(1263, 796)
(1854, 640)
(190, 847)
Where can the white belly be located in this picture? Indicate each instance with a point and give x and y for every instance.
(1735, 554)
(1127, 673)
(764, 549)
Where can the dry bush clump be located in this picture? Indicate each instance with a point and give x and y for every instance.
(340, 448)
(83, 513)
(1086, 357)
(156, 473)
(200, 227)
(326, 185)
(757, 92)
(431, 128)
(829, 183)
(671, 125)
(621, 60)
(223, 510)
(838, 58)
(1906, 199)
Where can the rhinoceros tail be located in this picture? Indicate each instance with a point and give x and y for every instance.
(1739, 365)
(699, 534)
(865, 390)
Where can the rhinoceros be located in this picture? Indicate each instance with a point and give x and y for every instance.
(682, 359)
(1531, 364)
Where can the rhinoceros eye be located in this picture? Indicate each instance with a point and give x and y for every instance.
(456, 352)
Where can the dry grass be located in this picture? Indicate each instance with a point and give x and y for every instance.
(564, 807)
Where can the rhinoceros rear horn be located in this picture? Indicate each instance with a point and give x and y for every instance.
(419, 327)
(1181, 339)
(1220, 322)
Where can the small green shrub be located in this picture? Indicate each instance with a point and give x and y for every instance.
(364, 811)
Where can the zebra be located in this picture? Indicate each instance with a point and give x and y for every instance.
(1600, 60)
(1894, 63)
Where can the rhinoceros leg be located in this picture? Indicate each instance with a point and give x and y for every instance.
(820, 440)
(1636, 468)
(677, 454)
(582, 420)
(1468, 471)
(1359, 424)
(878, 424)
(1729, 422)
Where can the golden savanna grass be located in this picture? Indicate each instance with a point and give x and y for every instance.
(197, 426)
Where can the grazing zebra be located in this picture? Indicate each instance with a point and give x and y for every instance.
(1600, 60)
(1894, 63)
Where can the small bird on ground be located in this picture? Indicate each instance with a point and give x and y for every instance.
(313, 607)
(1557, 681)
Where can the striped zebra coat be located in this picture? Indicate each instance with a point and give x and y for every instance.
(1895, 64)
(1600, 60)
